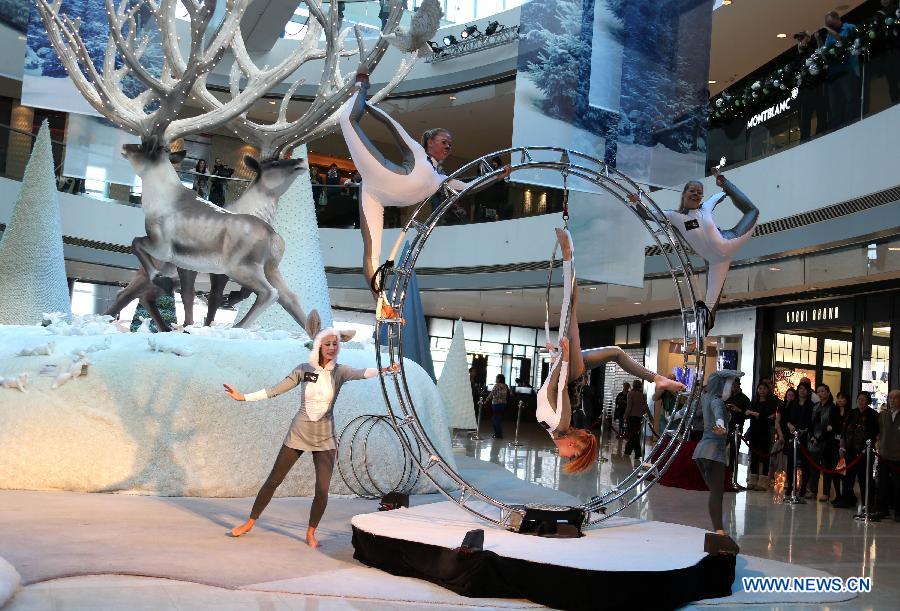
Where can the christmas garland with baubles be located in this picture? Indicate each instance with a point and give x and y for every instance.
(879, 33)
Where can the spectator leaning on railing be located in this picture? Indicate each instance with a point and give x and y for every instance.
(810, 99)
(888, 65)
(201, 178)
(843, 77)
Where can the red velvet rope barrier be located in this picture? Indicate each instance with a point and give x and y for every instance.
(890, 464)
(849, 466)
(757, 452)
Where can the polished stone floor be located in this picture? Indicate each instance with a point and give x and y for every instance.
(108, 541)
(813, 534)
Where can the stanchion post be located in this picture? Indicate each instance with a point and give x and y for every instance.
(643, 435)
(734, 462)
(865, 514)
(600, 457)
(475, 436)
(515, 442)
(795, 498)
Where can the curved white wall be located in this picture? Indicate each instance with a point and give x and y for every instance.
(423, 75)
(855, 161)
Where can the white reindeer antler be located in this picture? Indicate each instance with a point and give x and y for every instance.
(274, 139)
(167, 93)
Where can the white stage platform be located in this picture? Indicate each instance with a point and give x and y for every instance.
(618, 560)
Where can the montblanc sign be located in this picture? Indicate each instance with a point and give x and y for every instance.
(768, 113)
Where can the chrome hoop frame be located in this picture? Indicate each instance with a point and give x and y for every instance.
(402, 409)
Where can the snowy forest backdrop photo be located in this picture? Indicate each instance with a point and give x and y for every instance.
(621, 80)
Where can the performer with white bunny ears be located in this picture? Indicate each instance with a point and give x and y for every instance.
(320, 380)
(694, 221)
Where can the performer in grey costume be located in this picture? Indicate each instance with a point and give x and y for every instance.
(312, 429)
(710, 451)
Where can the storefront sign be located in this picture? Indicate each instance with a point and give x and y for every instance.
(814, 314)
(768, 113)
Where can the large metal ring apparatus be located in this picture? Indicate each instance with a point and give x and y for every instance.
(353, 458)
(401, 407)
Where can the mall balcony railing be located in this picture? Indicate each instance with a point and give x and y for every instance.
(337, 206)
(801, 114)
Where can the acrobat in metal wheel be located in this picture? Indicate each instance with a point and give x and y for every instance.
(400, 404)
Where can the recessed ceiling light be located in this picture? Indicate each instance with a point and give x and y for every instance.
(894, 248)
(592, 288)
(782, 35)
(272, 102)
(712, 82)
(509, 292)
(726, 2)
(452, 97)
(637, 303)
(774, 269)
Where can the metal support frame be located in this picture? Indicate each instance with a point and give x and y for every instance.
(795, 499)
(866, 514)
(396, 392)
(737, 458)
(515, 443)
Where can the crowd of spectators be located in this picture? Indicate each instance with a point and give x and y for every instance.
(836, 98)
(832, 439)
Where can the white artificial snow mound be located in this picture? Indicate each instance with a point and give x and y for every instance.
(156, 423)
(455, 384)
(9, 581)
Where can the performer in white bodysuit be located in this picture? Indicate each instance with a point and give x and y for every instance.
(385, 183)
(554, 410)
(694, 221)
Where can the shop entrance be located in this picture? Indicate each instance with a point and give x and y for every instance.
(822, 355)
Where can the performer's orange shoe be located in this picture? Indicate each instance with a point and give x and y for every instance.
(387, 312)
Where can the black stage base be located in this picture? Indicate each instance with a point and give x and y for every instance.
(529, 571)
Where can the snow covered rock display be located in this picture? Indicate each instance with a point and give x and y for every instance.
(149, 422)
(9, 581)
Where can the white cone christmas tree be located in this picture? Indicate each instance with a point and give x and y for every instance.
(302, 265)
(32, 267)
(454, 385)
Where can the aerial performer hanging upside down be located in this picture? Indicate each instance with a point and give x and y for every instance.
(694, 221)
(385, 183)
(554, 410)
(312, 429)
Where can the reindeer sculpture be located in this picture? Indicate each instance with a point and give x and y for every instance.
(152, 115)
(260, 200)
